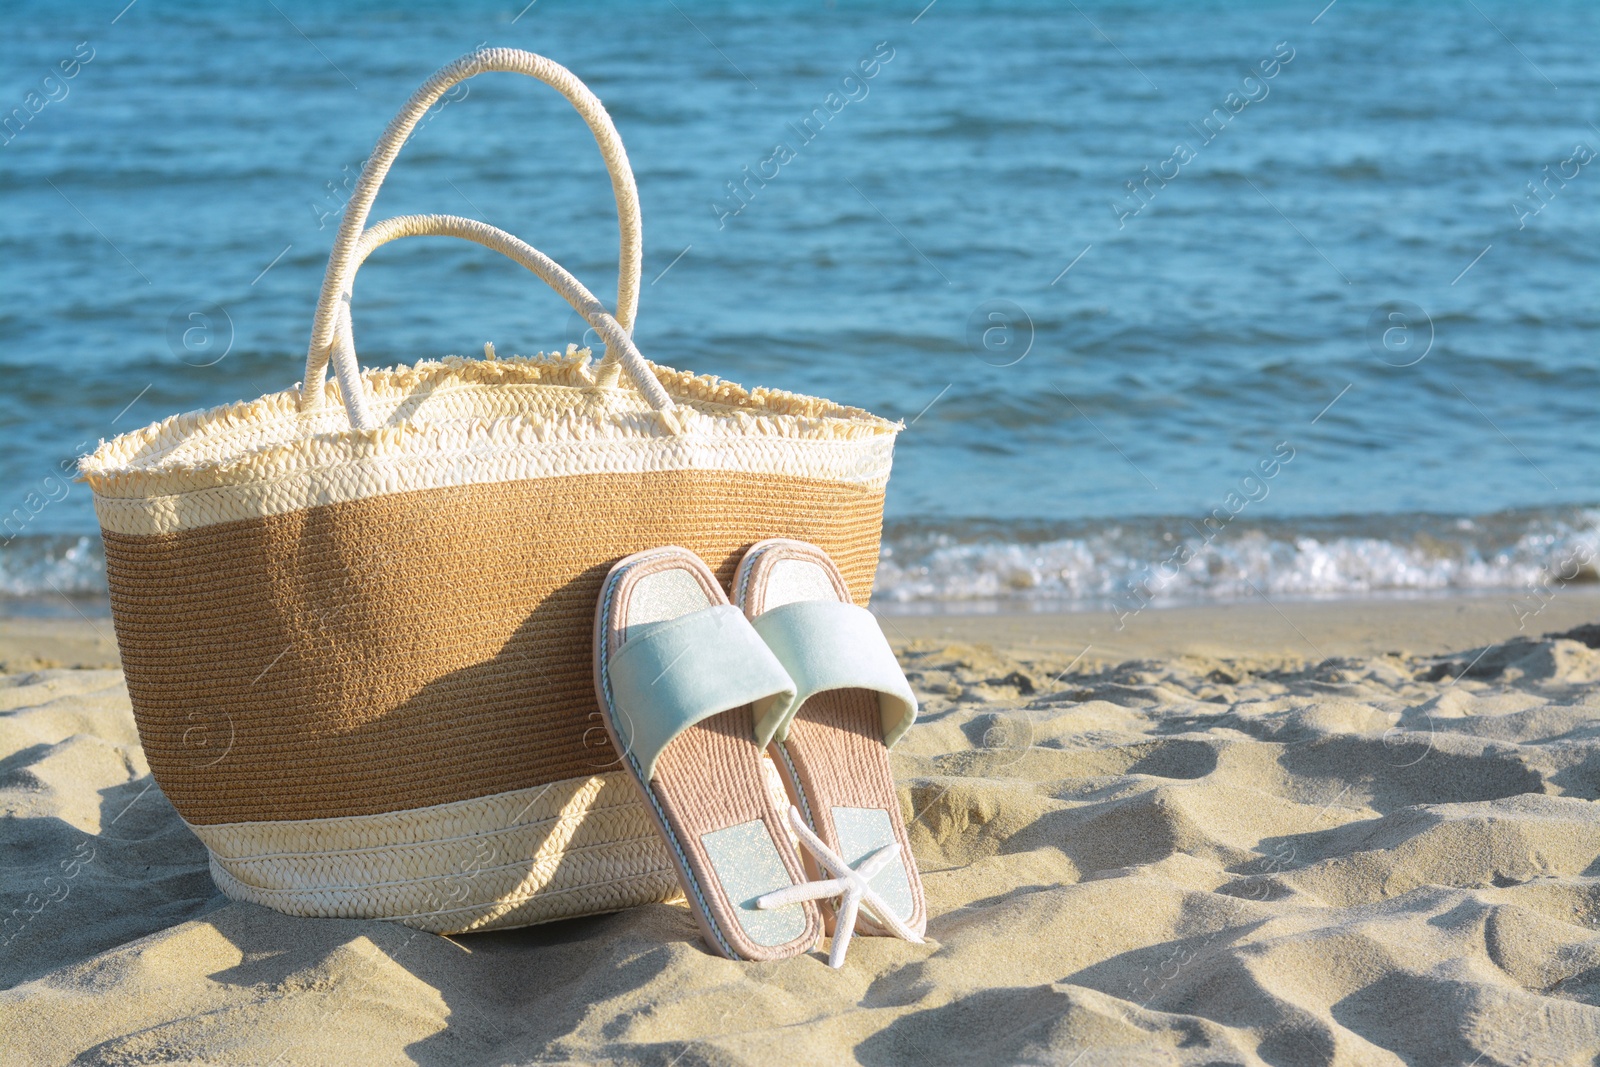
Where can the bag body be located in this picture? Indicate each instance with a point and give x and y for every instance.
(356, 617)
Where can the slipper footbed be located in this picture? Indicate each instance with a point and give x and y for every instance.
(709, 794)
(836, 758)
(834, 762)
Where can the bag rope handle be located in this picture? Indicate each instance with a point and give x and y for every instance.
(348, 371)
(341, 268)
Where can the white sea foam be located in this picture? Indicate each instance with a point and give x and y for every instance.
(1121, 564)
(52, 566)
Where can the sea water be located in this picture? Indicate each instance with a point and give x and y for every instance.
(1177, 300)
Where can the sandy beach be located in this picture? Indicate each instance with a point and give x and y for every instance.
(1315, 833)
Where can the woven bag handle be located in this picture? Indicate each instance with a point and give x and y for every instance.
(347, 369)
(341, 267)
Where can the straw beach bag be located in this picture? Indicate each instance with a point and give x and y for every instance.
(355, 616)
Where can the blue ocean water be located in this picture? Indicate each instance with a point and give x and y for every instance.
(1111, 263)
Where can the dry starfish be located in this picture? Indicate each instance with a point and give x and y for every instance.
(851, 883)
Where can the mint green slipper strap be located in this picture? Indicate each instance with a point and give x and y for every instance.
(687, 669)
(828, 644)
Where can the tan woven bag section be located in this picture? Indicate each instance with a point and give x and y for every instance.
(355, 616)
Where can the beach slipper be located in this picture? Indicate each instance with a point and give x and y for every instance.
(831, 743)
(682, 679)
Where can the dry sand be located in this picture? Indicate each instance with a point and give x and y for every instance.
(1355, 834)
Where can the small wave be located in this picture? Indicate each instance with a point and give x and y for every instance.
(35, 566)
(1168, 561)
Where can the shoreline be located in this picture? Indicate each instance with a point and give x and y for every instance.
(1296, 630)
(1286, 630)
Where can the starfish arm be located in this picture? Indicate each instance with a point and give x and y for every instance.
(877, 860)
(825, 855)
(886, 917)
(798, 820)
(843, 927)
(795, 894)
